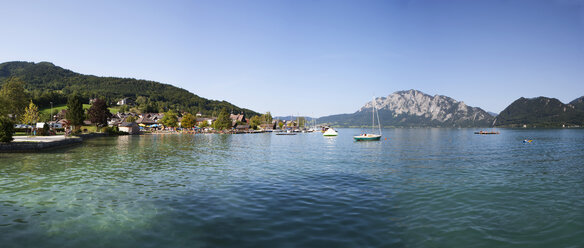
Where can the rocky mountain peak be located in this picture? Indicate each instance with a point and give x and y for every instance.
(419, 104)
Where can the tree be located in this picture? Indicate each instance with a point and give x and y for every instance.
(280, 124)
(46, 129)
(223, 120)
(188, 121)
(14, 98)
(75, 113)
(254, 122)
(204, 124)
(170, 119)
(31, 115)
(266, 118)
(6, 129)
(124, 108)
(98, 113)
(131, 118)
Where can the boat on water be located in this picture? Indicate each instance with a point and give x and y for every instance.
(487, 132)
(330, 132)
(288, 132)
(285, 134)
(367, 137)
(371, 136)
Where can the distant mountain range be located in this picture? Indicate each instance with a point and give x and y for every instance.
(414, 108)
(48, 83)
(542, 112)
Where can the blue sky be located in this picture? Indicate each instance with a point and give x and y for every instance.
(313, 57)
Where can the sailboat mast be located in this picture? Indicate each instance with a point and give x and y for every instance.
(378, 121)
(373, 115)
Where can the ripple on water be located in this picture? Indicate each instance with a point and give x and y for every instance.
(421, 188)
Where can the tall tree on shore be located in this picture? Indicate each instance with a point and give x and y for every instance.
(254, 122)
(223, 120)
(6, 129)
(14, 98)
(188, 121)
(75, 113)
(98, 113)
(31, 115)
(267, 118)
(170, 119)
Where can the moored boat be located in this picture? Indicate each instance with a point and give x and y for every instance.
(367, 137)
(487, 132)
(330, 132)
(371, 136)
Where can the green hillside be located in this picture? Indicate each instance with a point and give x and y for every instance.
(578, 103)
(540, 112)
(47, 83)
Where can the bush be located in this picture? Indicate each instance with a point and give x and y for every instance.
(46, 129)
(6, 129)
(114, 131)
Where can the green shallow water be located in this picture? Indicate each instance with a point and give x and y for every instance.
(419, 188)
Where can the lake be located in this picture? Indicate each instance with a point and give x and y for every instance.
(417, 188)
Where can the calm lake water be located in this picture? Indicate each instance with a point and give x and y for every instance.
(418, 188)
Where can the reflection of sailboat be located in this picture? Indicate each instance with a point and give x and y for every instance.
(371, 136)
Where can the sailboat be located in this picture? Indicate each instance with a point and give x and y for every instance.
(371, 136)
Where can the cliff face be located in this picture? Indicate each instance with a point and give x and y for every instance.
(414, 108)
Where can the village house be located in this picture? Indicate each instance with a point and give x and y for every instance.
(237, 118)
(61, 114)
(129, 127)
(118, 118)
(125, 101)
(150, 118)
(242, 127)
(268, 126)
(209, 120)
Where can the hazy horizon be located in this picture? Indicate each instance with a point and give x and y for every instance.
(313, 58)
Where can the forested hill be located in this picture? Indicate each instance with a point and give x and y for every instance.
(540, 112)
(49, 83)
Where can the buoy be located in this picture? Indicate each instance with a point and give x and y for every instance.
(385, 138)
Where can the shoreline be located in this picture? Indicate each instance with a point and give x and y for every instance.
(31, 144)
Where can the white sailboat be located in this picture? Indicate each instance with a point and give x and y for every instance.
(371, 136)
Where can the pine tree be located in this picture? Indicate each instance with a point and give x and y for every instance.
(75, 113)
(223, 120)
(6, 129)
